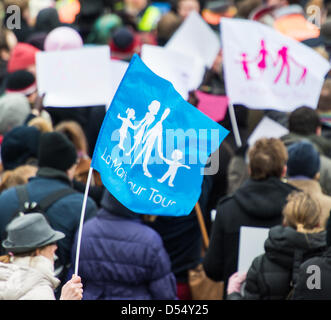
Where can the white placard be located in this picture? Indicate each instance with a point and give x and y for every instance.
(117, 70)
(267, 128)
(251, 245)
(264, 69)
(183, 71)
(75, 78)
(195, 37)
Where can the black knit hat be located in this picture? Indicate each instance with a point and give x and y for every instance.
(303, 160)
(19, 145)
(56, 151)
(21, 81)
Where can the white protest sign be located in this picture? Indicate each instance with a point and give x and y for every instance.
(264, 69)
(183, 71)
(267, 128)
(251, 245)
(195, 37)
(117, 70)
(74, 78)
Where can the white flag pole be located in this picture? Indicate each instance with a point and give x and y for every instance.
(234, 125)
(82, 215)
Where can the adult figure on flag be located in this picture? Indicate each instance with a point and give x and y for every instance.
(149, 118)
(153, 136)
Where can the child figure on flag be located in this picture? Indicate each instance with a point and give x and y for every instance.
(126, 124)
(174, 164)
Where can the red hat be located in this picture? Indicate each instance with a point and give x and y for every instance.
(124, 43)
(23, 56)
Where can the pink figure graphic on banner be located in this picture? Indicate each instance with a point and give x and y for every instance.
(285, 59)
(303, 76)
(244, 62)
(283, 55)
(262, 64)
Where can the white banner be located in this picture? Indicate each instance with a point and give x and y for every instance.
(183, 71)
(267, 128)
(75, 78)
(117, 71)
(264, 69)
(195, 37)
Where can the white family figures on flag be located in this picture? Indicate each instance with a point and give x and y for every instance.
(149, 118)
(282, 56)
(150, 139)
(126, 124)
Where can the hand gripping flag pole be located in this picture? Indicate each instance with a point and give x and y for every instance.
(82, 215)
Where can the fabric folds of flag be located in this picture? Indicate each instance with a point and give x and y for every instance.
(153, 146)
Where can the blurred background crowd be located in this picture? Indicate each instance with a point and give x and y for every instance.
(129, 256)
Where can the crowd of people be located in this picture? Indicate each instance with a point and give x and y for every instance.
(283, 184)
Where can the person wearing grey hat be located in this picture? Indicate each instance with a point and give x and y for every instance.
(57, 158)
(27, 271)
(303, 172)
(14, 109)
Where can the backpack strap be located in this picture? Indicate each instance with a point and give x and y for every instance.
(45, 203)
(23, 197)
(48, 201)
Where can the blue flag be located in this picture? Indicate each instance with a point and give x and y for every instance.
(153, 146)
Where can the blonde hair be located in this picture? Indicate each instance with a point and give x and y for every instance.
(75, 133)
(8, 258)
(41, 124)
(18, 176)
(302, 212)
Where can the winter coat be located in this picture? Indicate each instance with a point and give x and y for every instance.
(182, 238)
(313, 188)
(28, 278)
(63, 215)
(271, 274)
(325, 169)
(319, 270)
(123, 259)
(254, 204)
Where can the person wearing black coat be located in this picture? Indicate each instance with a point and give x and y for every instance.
(314, 277)
(257, 203)
(183, 241)
(300, 238)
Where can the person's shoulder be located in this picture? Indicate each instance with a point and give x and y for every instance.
(315, 261)
(148, 236)
(76, 196)
(225, 199)
(7, 193)
(225, 202)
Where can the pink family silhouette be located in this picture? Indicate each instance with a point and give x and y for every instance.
(261, 62)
